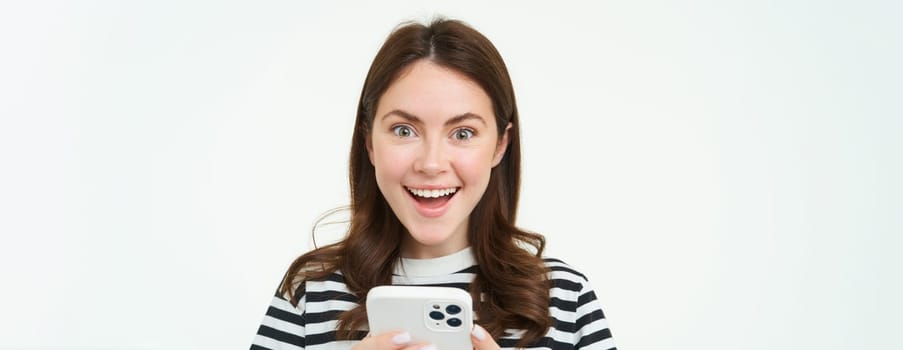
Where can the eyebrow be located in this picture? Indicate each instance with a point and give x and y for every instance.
(454, 120)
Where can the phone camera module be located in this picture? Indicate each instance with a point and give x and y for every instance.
(453, 309)
(436, 315)
(454, 322)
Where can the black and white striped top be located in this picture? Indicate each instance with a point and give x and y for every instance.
(578, 321)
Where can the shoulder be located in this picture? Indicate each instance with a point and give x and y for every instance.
(562, 269)
(565, 276)
(332, 287)
(568, 284)
(334, 281)
(305, 289)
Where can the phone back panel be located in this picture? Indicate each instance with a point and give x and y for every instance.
(439, 315)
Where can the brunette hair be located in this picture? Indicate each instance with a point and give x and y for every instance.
(511, 287)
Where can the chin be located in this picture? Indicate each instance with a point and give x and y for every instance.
(431, 234)
(431, 238)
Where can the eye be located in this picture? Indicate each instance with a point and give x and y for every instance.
(402, 131)
(462, 134)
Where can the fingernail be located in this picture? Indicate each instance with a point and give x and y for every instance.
(401, 338)
(429, 347)
(479, 332)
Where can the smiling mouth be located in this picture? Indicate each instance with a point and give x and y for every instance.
(432, 198)
(432, 193)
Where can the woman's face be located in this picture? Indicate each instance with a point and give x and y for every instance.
(433, 144)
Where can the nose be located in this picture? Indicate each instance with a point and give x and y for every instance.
(432, 159)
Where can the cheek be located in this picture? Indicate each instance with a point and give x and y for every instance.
(390, 164)
(474, 168)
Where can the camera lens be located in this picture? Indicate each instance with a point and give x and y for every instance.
(436, 315)
(454, 322)
(453, 309)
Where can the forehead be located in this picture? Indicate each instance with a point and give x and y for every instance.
(436, 93)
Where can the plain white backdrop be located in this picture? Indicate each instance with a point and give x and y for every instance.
(727, 173)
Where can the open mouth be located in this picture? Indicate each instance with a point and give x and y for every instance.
(433, 198)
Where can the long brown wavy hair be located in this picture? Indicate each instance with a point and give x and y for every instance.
(510, 276)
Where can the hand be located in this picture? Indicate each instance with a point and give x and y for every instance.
(481, 340)
(398, 340)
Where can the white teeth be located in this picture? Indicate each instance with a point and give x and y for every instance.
(432, 193)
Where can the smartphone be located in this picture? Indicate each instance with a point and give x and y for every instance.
(439, 315)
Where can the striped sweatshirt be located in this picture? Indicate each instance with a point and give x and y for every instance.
(578, 320)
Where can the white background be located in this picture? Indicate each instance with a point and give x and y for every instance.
(727, 173)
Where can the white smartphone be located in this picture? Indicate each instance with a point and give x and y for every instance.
(439, 315)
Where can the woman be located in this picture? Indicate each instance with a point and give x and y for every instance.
(434, 177)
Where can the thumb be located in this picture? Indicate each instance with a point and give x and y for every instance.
(481, 339)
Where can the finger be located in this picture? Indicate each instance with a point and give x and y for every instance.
(420, 346)
(387, 340)
(481, 339)
(402, 340)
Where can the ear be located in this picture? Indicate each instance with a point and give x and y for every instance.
(368, 142)
(502, 146)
